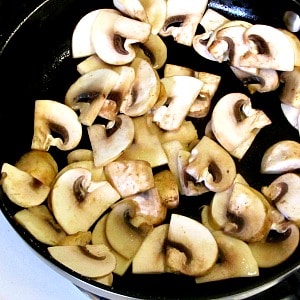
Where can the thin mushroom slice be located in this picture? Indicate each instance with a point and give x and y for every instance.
(211, 164)
(281, 157)
(235, 123)
(290, 92)
(113, 34)
(182, 19)
(53, 116)
(89, 92)
(269, 48)
(284, 193)
(182, 92)
(191, 248)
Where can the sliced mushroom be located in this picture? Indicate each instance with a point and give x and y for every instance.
(290, 92)
(130, 177)
(77, 202)
(262, 80)
(212, 19)
(53, 116)
(211, 164)
(88, 93)
(144, 90)
(295, 44)
(39, 222)
(91, 63)
(284, 193)
(90, 260)
(281, 157)
(182, 92)
(269, 48)
(292, 115)
(235, 123)
(191, 248)
(122, 235)
(247, 213)
(113, 34)
(131, 8)
(278, 246)
(22, 188)
(79, 155)
(182, 19)
(108, 143)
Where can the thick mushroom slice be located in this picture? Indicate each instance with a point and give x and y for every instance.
(236, 260)
(235, 123)
(53, 116)
(269, 48)
(144, 90)
(284, 193)
(278, 246)
(77, 202)
(247, 213)
(182, 91)
(182, 19)
(113, 34)
(211, 164)
(22, 188)
(191, 248)
(108, 143)
(89, 92)
(90, 260)
(290, 92)
(281, 157)
(130, 177)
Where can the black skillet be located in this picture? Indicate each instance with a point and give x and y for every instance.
(36, 63)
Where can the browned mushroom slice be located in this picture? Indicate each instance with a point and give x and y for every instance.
(290, 93)
(53, 116)
(235, 123)
(108, 143)
(182, 19)
(284, 193)
(269, 48)
(191, 248)
(77, 202)
(211, 164)
(278, 246)
(113, 34)
(281, 157)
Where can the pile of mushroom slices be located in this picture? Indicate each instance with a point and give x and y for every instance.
(110, 207)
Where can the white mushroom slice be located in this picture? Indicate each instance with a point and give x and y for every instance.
(81, 41)
(269, 48)
(292, 114)
(262, 80)
(108, 143)
(77, 202)
(281, 157)
(290, 93)
(90, 260)
(182, 92)
(284, 193)
(131, 8)
(144, 91)
(212, 19)
(88, 93)
(92, 63)
(295, 44)
(154, 50)
(247, 213)
(212, 165)
(113, 34)
(149, 209)
(130, 177)
(191, 248)
(50, 115)
(235, 123)
(200, 46)
(182, 19)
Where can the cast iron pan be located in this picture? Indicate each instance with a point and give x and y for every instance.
(36, 63)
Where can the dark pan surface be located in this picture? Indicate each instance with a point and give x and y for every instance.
(36, 63)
